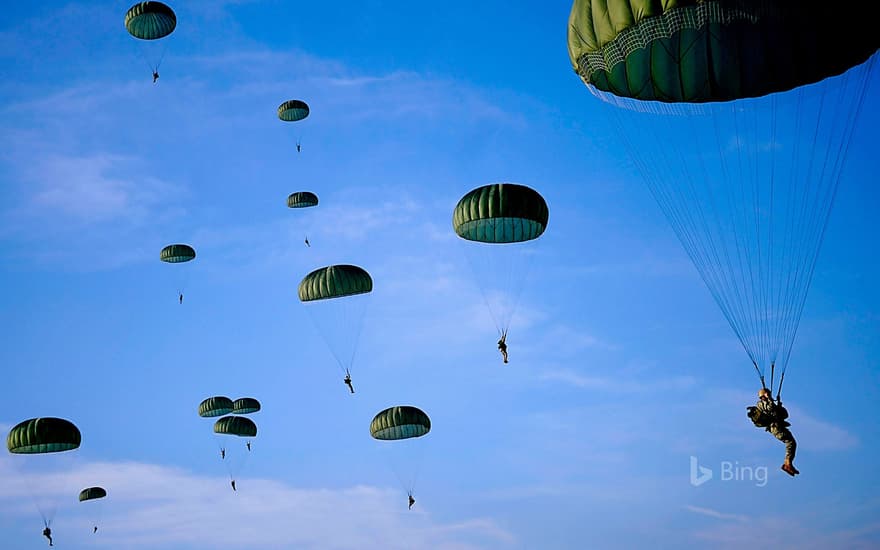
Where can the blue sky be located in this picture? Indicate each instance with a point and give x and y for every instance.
(622, 366)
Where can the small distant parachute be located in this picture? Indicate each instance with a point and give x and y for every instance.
(335, 281)
(501, 213)
(245, 405)
(293, 110)
(177, 253)
(92, 493)
(336, 299)
(150, 20)
(215, 406)
(403, 425)
(93, 497)
(499, 222)
(302, 199)
(236, 425)
(43, 435)
(234, 458)
(401, 422)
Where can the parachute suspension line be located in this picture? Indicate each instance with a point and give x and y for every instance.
(162, 55)
(710, 264)
(725, 302)
(862, 76)
(679, 217)
(760, 375)
(709, 254)
(745, 300)
(769, 303)
(324, 337)
(357, 322)
(788, 248)
(761, 289)
(511, 265)
(772, 375)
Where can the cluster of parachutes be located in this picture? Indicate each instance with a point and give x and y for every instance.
(749, 206)
(232, 424)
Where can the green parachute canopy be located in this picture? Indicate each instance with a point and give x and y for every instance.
(714, 50)
(177, 253)
(402, 422)
(245, 405)
(92, 493)
(43, 435)
(236, 425)
(293, 110)
(150, 20)
(501, 213)
(302, 199)
(215, 406)
(335, 281)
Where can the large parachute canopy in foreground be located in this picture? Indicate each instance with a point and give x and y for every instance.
(150, 20)
(714, 50)
(43, 435)
(738, 114)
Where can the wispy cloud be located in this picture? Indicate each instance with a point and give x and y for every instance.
(619, 385)
(95, 188)
(715, 513)
(154, 506)
(785, 532)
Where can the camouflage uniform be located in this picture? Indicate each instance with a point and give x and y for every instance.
(778, 426)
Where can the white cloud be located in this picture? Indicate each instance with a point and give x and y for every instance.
(95, 188)
(152, 506)
(784, 532)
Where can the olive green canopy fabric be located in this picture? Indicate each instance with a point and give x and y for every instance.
(402, 422)
(43, 435)
(715, 50)
(92, 493)
(177, 253)
(334, 281)
(302, 199)
(293, 110)
(501, 213)
(236, 425)
(150, 20)
(215, 406)
(245, 405)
